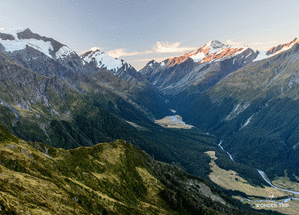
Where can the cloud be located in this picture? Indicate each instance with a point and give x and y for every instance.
(257, 43)
(262, 46)
(122, 52)
(156, 59)
(158, 48)
(1, 29)
(234, 43)
(170, 48)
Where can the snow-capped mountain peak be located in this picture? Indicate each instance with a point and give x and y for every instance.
(12, 40)
(117, 67)
(214, 50)
(18, 39)
(215, 44)
(101, 59)
(152, 63)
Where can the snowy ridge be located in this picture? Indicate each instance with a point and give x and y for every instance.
(267, 54)
(64, 52)
(103, 60)
(20, 44)
(215, 46)
(215, 51)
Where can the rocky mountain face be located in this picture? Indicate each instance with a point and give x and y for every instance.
(202, 68)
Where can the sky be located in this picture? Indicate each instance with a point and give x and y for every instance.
(142, 30)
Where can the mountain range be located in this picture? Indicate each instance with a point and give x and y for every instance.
(242, 97)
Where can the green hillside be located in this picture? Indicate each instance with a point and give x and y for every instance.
(108, 178)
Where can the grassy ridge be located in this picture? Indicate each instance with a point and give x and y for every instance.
(106, 177)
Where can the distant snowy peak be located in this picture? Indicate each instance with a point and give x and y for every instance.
(103, 60)
(64, 52)
(215, 50)
(214, 45)
(211, 47)
(152, 64)
(17, 39)
(12, 41)
(276, 50)
(212, 51)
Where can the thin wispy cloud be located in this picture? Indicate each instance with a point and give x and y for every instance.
(156, 59)
(170, 48)
(159, 47)
(234, 43)
(122, 52)
(257, 43)
(262, 46)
